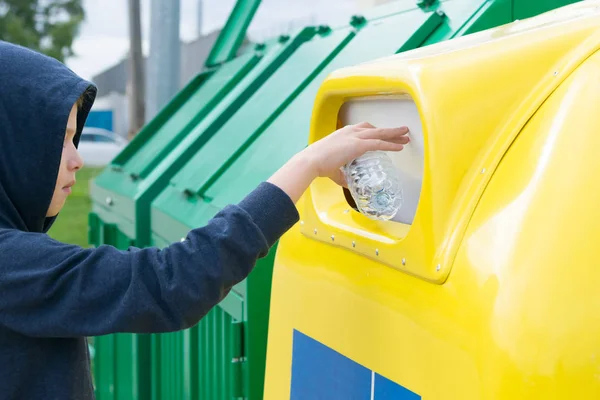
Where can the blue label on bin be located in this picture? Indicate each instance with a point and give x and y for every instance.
(319, 372)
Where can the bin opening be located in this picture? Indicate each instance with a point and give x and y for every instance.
(388, 112)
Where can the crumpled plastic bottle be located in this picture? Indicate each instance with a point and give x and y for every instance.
(375, 185)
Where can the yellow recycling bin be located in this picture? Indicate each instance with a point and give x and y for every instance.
(486, 285)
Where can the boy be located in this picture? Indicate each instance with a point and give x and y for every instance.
(53, 295)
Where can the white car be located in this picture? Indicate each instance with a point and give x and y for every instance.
(98, 147)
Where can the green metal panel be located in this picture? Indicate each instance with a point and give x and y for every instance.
(122, 182)
(199, 363)
(233, 33)
(141, 190)
(197, 106)
(104, 367)
(528, 8)
(94, 223)
(264, 106)
(121, 362)
(257, 295)
(288, 134)
(116, 184)
(491, 13)
(175, 365)
(132, 366)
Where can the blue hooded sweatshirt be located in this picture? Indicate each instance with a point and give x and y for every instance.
(54, 295)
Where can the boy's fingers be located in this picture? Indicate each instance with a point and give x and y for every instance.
(382, 145)
(401, 139)
(364, 125)
(384, 133)
(339, 178)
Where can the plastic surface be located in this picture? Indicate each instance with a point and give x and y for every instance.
(375, 185)
(513, 314)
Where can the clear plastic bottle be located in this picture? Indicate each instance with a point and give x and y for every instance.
(375, 185)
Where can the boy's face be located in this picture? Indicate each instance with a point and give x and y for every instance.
(70, 163)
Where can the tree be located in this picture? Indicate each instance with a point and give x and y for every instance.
(47, 26)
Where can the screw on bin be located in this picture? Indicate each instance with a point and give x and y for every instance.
(425, 3)
(483, 170)
(110, 201)
(353, 243)
(404, 261)
(323, 29)
(315, 231)
(376, 252)
(332, 238)
(357, 21)
(555, 73)
(438, 268)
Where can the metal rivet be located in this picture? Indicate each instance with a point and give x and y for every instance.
(353, 243)
(332, 238)
(357, 20)
(438, 267)
(555, 73)
(376, 252)
(323, 29)
(315, 231)
(109, 201)
(301, 222)
(404, 261)
(483, 171)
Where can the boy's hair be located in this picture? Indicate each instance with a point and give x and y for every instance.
(84, 96)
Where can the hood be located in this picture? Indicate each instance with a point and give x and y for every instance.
(36, 96)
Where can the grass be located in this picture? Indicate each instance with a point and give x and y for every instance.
(71, 225)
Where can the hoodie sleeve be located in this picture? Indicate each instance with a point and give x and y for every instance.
(51, 289)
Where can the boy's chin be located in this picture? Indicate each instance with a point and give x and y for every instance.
(53, 211)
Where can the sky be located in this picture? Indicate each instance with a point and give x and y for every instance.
(103, 40)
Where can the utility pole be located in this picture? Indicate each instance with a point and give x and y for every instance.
(136, 70)
(199, 18)
(164, 66)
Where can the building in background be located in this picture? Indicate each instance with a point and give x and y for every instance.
(365, 4)
(112, 85)
(111, 106)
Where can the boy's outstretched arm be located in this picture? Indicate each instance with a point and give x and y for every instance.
(51, 289)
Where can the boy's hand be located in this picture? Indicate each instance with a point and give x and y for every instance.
(326, 157)
(331, 153)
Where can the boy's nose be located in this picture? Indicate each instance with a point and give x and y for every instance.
(76, 162)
